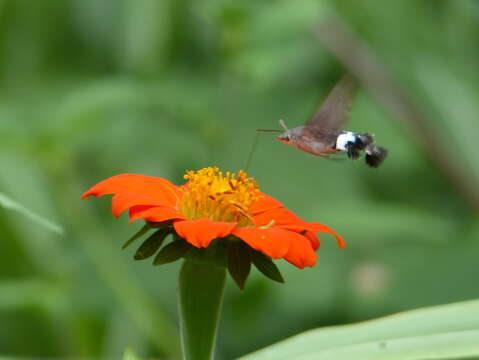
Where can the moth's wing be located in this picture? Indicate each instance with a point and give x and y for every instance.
(333, 113)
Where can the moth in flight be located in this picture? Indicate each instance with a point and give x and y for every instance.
(322, 135)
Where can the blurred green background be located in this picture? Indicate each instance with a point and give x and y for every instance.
(94, 88)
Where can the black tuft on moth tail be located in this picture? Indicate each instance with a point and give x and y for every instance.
(375, 155)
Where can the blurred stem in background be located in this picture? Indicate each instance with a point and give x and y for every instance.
(354, 54)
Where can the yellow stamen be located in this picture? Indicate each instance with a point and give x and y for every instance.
(221, 197)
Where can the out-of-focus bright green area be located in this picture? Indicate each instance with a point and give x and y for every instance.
(90, 89)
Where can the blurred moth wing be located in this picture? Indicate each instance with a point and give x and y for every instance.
(333, 113)
(320, 133)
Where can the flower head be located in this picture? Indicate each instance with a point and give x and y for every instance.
(215, 205)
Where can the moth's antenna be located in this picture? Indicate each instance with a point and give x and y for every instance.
(283, 125)
(251, 153)
(269, 130)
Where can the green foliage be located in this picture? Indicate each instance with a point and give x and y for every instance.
(440, 332)
(90, 89)
(10, 204)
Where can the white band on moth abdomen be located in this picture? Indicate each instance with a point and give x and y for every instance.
(344, 139)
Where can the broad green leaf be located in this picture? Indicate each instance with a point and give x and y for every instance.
(441, 332)
(239, 262)
(137, 235)
(151, 245)
(266, 266)
(11, 204)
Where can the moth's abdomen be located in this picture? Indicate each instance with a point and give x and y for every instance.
(375, 155)
(344, 139)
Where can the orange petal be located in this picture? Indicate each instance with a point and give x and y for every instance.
(201, 232)
(264, 203)
(126, 200)
(317, 227)
(286, 219)
(281, 217)
(300, 253)
(145, 187)
(154, 213)
(138, 208)
(313, 239)
(271, 241)
(279, 243)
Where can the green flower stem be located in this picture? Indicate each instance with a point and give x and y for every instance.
(200, 295)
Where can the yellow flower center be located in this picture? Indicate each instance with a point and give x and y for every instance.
(220, 197)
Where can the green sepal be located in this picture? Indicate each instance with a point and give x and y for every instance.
(266, 266)
(139, 234)
(161, 224)
(215, 253)
(239, 262)
(151, 245)
(172, 252)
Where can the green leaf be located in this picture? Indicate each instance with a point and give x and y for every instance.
(172, 252)
(139, 234)
(129, 354)
(151, 245)
(440, 332)
(266, 266)
(11, 204)
(239, 262)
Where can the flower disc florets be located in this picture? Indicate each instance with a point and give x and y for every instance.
(220, 197)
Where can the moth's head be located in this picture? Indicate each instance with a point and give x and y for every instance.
(286, 137)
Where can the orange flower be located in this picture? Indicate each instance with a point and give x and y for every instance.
(214, 205)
